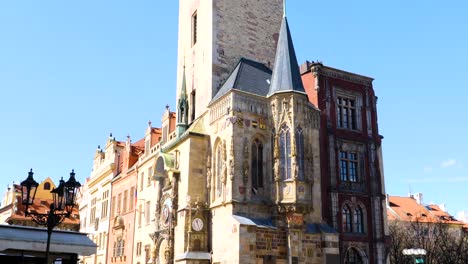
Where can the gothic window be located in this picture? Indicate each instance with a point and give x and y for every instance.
(47, 186)
(346, 219)
(348, 166)
(285, 153)
(300, 153)
(358, 220)
(219, 168)
(353, 257)
(257, 165)
(346, 113)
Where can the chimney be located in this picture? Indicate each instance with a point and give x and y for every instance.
(419, 198)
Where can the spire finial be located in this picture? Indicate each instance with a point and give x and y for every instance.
(284, 8)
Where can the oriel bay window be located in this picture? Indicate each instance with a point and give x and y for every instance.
(257, 165)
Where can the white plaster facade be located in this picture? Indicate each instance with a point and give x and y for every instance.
(95, 201)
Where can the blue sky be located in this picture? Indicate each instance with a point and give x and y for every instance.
(71, 72)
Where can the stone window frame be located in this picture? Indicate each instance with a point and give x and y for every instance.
(105, 204)
(300, 155)
(218, 168)
(147, 212)
(357, 97)
(358, 224)
(353, 205)
(359, 150)
(349, 166)
(257, 146)
(346, 218)
(193, 28)
(356, 252)
(285, 152)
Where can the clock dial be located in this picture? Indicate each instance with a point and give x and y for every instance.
(165, 214)
(197, 224)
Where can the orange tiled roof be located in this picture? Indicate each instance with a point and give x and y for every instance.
(442, 215)
(41, 207)
(408, 209)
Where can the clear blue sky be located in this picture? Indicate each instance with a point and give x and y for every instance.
(71, 72)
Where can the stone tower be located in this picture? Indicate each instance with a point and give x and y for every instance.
(215, 34)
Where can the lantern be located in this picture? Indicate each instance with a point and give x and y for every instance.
(28, 191)
(58, 195)
(71, 187)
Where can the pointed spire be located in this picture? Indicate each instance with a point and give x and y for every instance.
(286, 76)
(183, 88)
(182, 107)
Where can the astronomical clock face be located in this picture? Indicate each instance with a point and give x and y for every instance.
(163, 252)
(166, 211)
(197, 224)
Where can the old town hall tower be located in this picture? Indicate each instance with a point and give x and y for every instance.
(240, 178)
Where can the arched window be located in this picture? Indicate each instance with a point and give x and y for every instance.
(353, 257)
(219, 168)
(358, 220)
(285, 152)
(257, 165)
(347, 225)
(47, 186)
(300, 153)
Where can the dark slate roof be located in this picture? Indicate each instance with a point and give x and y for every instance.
(286, 76)
(248, 76)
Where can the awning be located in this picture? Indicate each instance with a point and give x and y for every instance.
(13, 238)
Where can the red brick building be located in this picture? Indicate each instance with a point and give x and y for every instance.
(353, 192)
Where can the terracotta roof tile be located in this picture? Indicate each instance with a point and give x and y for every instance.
(408, 209)
(41, 207)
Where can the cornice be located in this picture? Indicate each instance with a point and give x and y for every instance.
(347, 76)
(101, 176)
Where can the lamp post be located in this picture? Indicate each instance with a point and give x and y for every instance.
(63, 202)
(415, 252)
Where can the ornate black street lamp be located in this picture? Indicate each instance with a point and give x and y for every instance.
(63, 202)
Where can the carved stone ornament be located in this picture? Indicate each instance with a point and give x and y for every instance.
(224, 165)
(246, 161)
(208, 171)
(231, 159)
